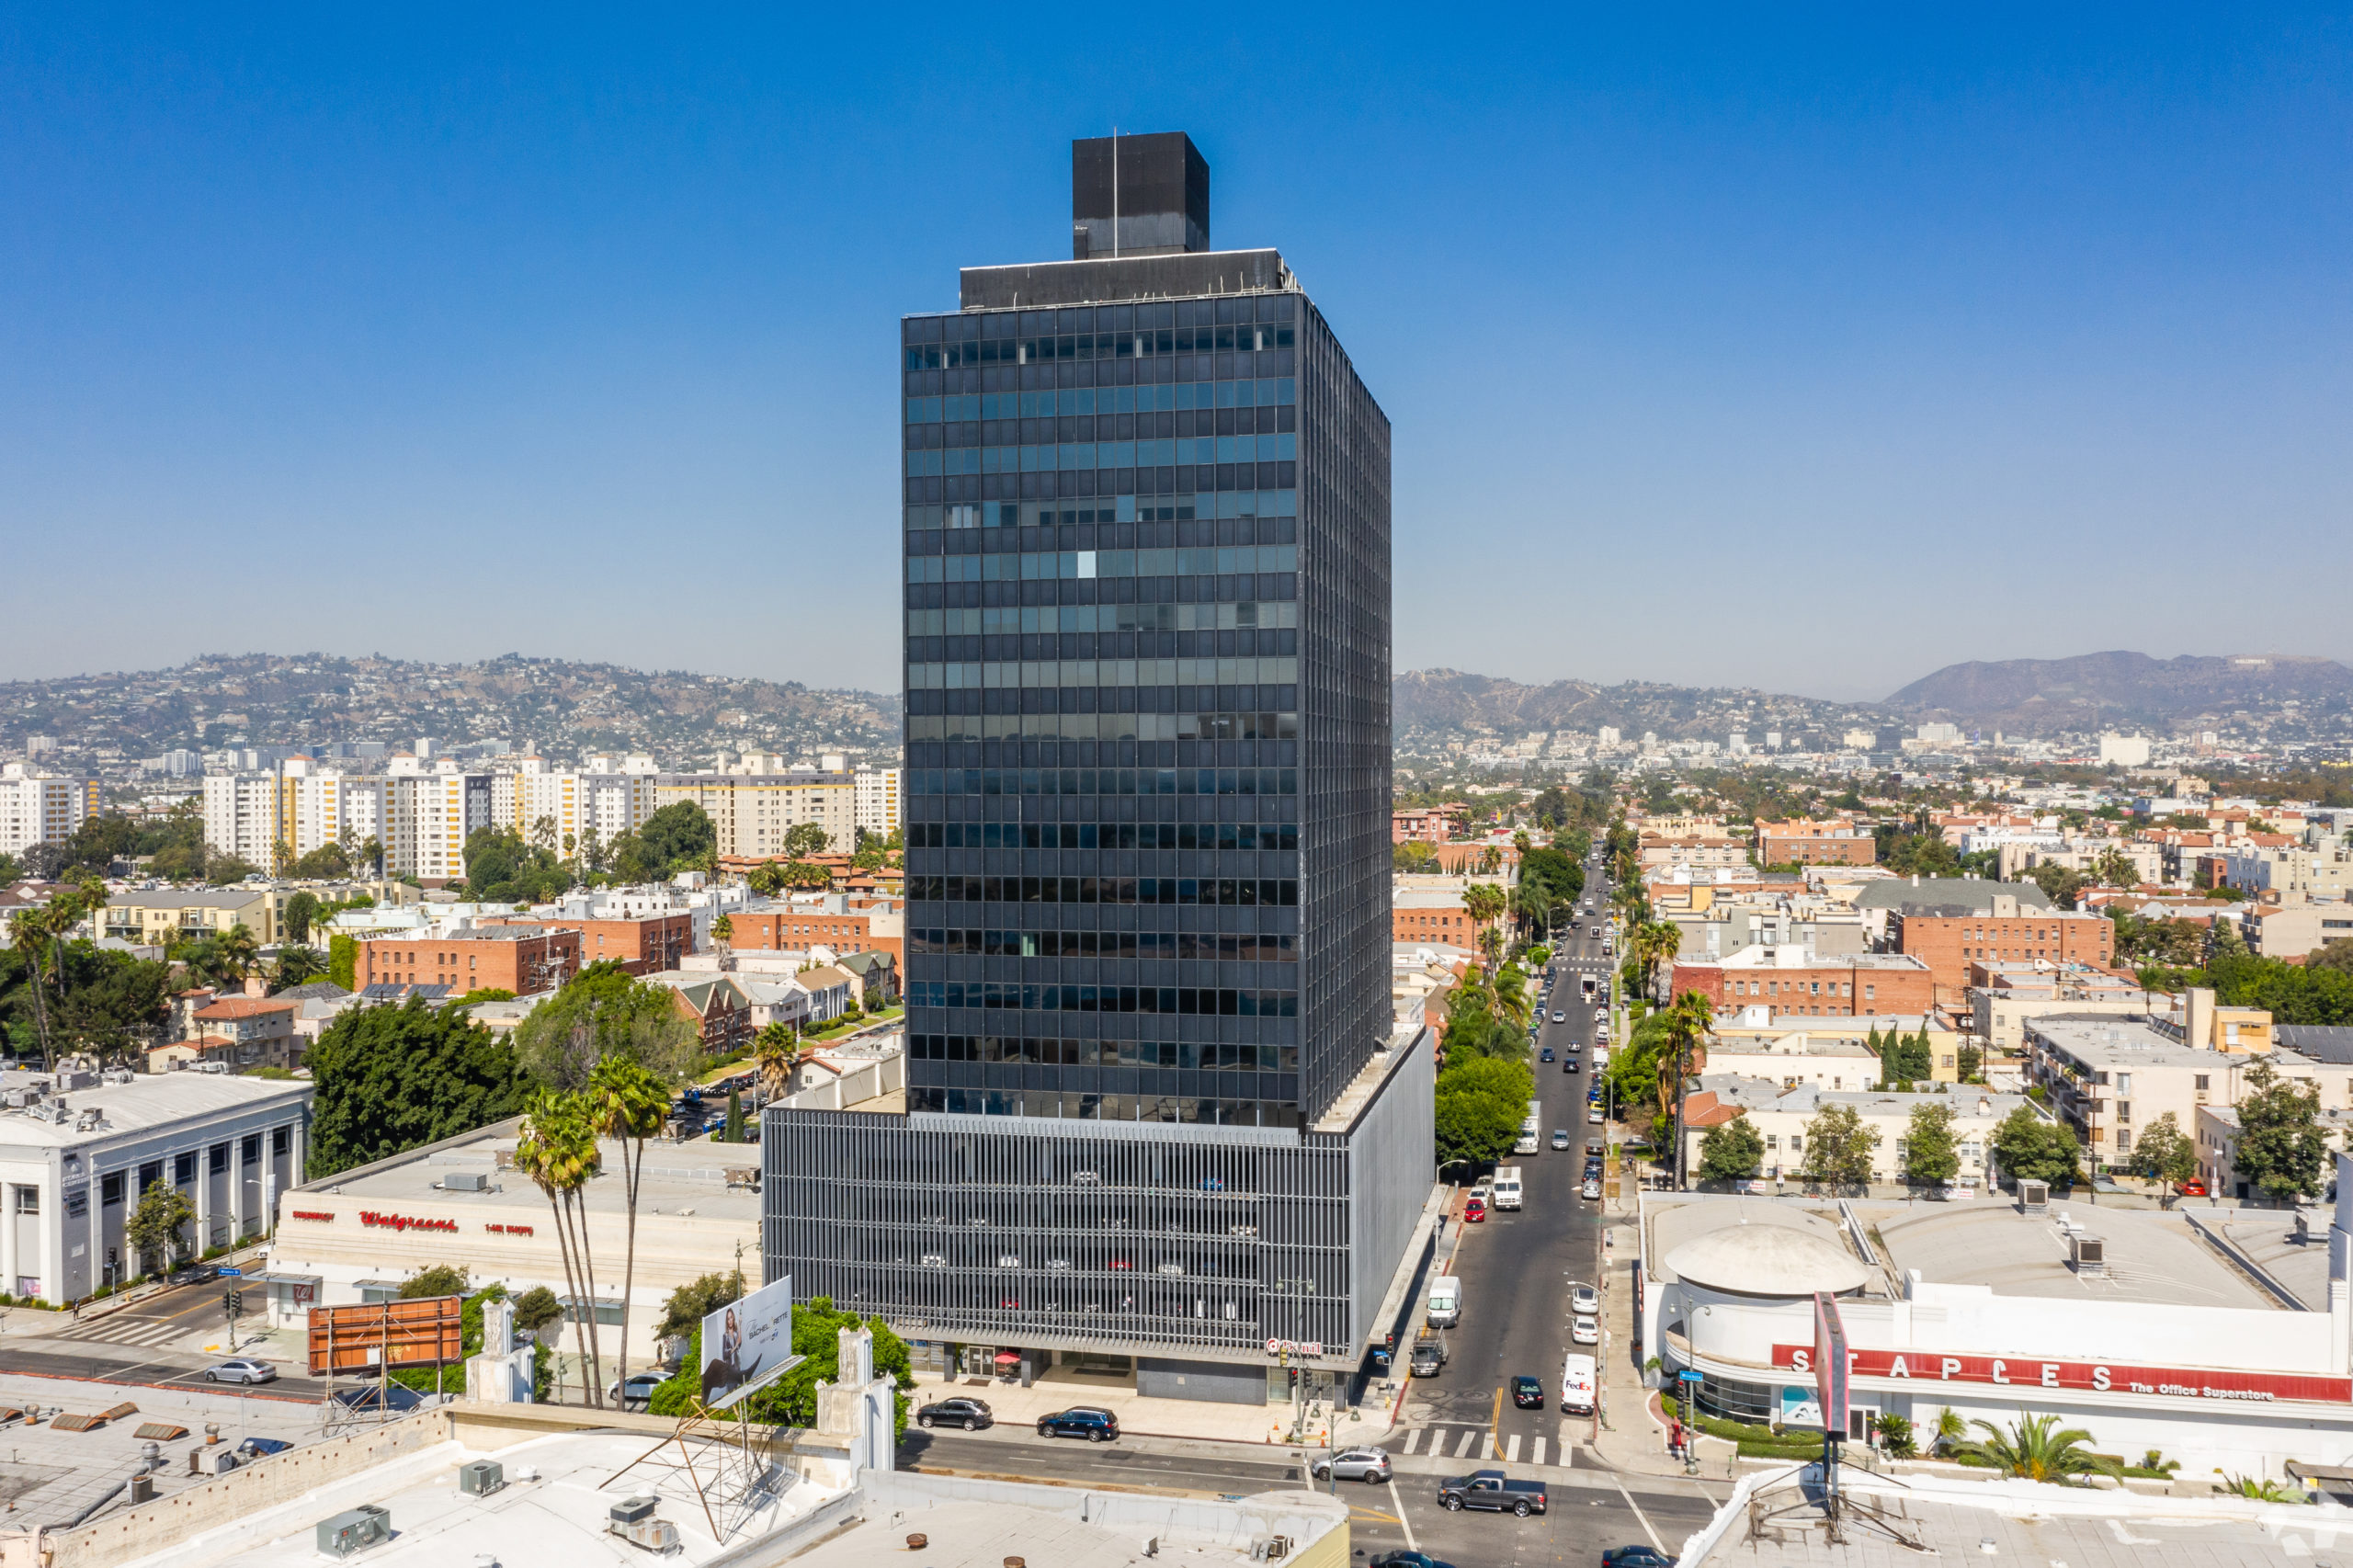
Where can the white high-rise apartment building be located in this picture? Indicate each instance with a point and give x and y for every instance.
(241, 817)
(877, 801)
(431, 810)
(42, 808)
(612, 797)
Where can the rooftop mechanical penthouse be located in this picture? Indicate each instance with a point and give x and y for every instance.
(1154, 1108)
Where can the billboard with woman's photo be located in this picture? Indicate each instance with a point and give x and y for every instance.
(746, 1342)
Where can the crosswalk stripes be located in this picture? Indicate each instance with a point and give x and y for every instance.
(144, 1331)
(1413, 1439)
(1537, 1456)
(1511, 1449)
(1470, 1441)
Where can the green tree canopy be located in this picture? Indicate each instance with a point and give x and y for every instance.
(2028, 1147)
(1838, 1146)
(1732, 1150)
(391, 1078)
(2162, 1152)
(157, 1225)
(1930, 1151)
(2281, 1146)
(434, 1279)
(681, 837)
(503, 868)
(604, 1011)
(1481, 1100)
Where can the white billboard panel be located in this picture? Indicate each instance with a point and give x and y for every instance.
(745, 1343)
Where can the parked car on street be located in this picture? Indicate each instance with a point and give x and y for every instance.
(1636, 1557)
(1584, 1301)
(193, 1274)
(1491, 1491)
(1545, 1055)
(972, 1414)
(1080, 1421)
(241, 1370)
(640, 1388)
(1475, 1211)
(1590, 1191)
(1408, 1560)
(1584, 1331)
(1355, 1464)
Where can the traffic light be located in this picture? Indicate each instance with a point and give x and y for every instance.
(232, 1300)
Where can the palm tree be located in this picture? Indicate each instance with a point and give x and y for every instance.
(1483, 901)
(28, 933)
(558, 1151)
(239, 950)
(627, 1102)
(2032, 1450)
(1685, 1057)
(777, 1053)
(297, 963)
(723, 931)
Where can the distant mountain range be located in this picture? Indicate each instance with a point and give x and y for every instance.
(562, 706)
(2105, 690)
(2288, 696)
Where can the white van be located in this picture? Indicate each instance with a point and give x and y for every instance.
(1578, 1384)
(1508, 1189)
(1446, 1302)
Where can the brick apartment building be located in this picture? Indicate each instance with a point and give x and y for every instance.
(1803, 842)
(1948, 944)
(646, 944)
(1429, 824)
(521, 958)
(1433, 915)
(877, 928)
(1787, 979)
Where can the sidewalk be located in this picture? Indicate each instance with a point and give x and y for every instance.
(1631, 1437)
(1061, 1387)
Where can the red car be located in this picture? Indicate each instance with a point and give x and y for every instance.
(1475, 1211)
(2191, 1188)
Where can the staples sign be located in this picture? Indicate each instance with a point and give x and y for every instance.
(2092, 1377)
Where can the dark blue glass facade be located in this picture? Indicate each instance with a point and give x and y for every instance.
(1146, 553)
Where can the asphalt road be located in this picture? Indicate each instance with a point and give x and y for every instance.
(1589, 1513)
(127, 1347)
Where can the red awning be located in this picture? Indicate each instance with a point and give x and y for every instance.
(1006, 1359)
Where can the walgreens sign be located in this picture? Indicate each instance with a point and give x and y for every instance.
(2093, 1377)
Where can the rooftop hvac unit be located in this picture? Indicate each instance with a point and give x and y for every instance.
(115, 1075)
(2087, 1253)
(465, 1181)
(349, 1534)
(2034, 1197)
(633, 1521)
(482, 1478)
(630, 1511)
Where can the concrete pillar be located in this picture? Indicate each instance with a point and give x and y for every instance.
(203, 1199)
(8, 1237)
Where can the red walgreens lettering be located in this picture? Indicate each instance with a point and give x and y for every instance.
(2095, 1377)
(404, 1221)
(313, 1214)
(509, 1230)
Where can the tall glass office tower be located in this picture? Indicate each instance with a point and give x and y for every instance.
(1154, 1099)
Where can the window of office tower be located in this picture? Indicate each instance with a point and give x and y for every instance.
(1102, 688)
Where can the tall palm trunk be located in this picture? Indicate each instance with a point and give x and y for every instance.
(630, 1170)
(589, 1283)
(557, 1202)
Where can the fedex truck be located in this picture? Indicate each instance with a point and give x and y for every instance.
(1578, 1384)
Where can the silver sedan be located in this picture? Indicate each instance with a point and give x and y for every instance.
(1356, 1464)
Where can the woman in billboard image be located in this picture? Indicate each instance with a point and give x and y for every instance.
(720, 1371)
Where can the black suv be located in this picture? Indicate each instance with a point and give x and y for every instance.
(972, 1414)
(1094, 1426)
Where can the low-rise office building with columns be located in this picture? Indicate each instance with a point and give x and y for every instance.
(76, 1152)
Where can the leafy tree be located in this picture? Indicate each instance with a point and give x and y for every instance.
(1838, 1145)
(1930, 1153)
(389, 1079)
(681, 837)
(1481, 1103)
(536, 1308)
(112, 1005)
(343, 962)
(2033, 1449)
(697, 1299)
(434, 1279)
(501, 867)
(1413, 858)
(2029, 1148)
(301, 910)
(2337, 955)
(607, 1012)
(791, 1400)
(803, 839)
(328, 862)
(2163, 1152)
(1732, 1150)
(1971, 1061)
(2281, 1146)
(298, 964)
(155, 1226)
(2291, 994)
(2059, 883)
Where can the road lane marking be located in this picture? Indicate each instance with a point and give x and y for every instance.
(1413, 1439)
(1470, 1441)
(1511, 1449)
(1536, 1456)
(1406, 1524)
(1640, 1518)
(1496, 1417)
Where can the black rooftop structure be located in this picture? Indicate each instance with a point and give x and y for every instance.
(1138, 196)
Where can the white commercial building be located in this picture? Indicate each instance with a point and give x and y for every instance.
(2124, 1323)
(76, 1152)
(42, 808)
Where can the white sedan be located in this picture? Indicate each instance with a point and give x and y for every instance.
(1584, 1331)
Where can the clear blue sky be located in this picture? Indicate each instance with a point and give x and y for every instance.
(1812, 351)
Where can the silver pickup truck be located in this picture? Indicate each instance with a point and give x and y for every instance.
(1493, 1491)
